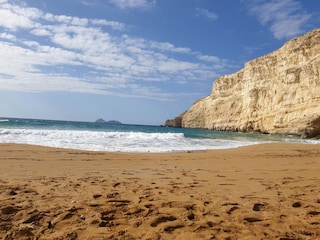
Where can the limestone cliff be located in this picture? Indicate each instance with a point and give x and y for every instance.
(276, 93)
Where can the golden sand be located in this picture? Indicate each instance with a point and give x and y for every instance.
(268, 191)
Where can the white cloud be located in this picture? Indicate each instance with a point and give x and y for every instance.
(113, 24)
(14, 17)
(285, 18)
(40, 32)
(202, 12)
(134, 3)
(75, 21)
(165, 46)
(207, 58)
(7, 36)
(65, 53)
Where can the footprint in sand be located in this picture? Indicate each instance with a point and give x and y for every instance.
(231, 210)
(296, 204)
(171, 228)
(313, 213)
(252, 219)
(162, 219)
(9, 210)
(35, 217)
(191, 216)
(168, 228)
(259, 207)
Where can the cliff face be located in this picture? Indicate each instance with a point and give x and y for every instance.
(276, 93)
(176, 122)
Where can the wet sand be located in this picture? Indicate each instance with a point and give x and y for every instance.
(269, 191)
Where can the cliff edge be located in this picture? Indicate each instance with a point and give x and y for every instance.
(276, 93)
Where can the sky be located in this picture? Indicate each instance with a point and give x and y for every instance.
(135, 61)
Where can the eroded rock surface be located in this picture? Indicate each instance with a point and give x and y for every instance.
(276, 93)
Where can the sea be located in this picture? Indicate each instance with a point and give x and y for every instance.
(127, 137)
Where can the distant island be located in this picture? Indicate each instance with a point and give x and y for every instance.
(100, 120)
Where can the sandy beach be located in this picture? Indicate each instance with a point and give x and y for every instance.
(268, 191)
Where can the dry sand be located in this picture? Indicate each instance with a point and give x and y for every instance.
(269, 191)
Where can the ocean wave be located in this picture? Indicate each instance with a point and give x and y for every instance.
(114, 140)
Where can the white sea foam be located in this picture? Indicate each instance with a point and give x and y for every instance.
(115, 141)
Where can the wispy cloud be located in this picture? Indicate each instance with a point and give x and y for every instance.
(285, 18)
(202, 12)
(142, 4)
(40, 51)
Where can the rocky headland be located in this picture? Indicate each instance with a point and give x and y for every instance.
(277, 93)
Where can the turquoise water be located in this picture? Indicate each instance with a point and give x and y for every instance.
(126, 137)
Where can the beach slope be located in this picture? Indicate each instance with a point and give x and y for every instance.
(267, 191)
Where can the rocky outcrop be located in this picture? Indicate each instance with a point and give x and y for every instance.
(176, 122)
(276, 93)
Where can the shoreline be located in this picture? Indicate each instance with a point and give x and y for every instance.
(264, 191)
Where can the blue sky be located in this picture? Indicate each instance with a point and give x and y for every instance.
(135, 61)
